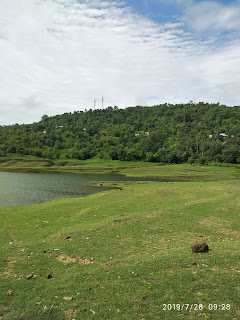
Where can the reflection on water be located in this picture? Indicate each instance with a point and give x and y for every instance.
(29, 188)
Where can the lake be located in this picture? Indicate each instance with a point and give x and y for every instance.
(30, 188)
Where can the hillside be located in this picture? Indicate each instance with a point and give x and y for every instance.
(164, 133)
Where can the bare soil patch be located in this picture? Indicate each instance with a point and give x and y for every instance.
(68, 238)
(66, 259)
(70, 314)
(223, 227)
(9, 271)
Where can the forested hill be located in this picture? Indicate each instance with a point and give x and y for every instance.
(164, 133)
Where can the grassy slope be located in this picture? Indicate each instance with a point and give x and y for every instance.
(130, 168)
(69, 166)
(139, 239)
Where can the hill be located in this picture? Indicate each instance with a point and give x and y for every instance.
(164, 133)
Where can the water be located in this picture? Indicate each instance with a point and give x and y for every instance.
(30, 188)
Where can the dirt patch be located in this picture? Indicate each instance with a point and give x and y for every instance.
(223, 227)
(85, 211)
(122, 220)
(11, 260)
(70, 314)
(152, 215)
(69, 238)
(226, 270)
(66, 259)
(3, 310)
(9, 273)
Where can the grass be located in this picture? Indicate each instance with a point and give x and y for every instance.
(130, 168)
(69, 166)
(123, 254)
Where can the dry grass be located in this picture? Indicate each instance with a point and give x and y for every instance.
(224, 228)
(70, 314)
(68, 259)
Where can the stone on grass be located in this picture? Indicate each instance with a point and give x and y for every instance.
(68, 298)
(30, 276)
(199, 248)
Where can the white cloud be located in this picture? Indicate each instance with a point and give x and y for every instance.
(211, 15)
(58, 56)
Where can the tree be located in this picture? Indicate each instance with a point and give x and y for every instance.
(44, 117)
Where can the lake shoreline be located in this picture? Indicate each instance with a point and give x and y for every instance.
(65, 174)
(21, 188)
(97, 166)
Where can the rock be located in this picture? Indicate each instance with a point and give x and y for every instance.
(199, 248)
(93, 312)
(30, 276)
(68, 298)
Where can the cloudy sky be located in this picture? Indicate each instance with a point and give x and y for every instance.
(59, 56)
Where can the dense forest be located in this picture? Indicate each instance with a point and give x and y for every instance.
(164, 133)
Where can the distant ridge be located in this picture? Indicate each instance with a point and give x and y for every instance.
(166, 133)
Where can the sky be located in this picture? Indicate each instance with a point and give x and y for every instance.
(59, 56)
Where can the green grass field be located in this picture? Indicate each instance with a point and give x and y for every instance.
(125, 254)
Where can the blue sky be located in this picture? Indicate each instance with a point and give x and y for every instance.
(163, 11)
(159, 11)
(167, 10)
(59, 56)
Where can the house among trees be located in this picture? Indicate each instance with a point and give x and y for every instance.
(222, 134)
(142, 134)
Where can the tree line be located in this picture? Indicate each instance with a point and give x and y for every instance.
(166, 133)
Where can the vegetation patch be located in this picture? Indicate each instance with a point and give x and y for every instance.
(140, 238)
